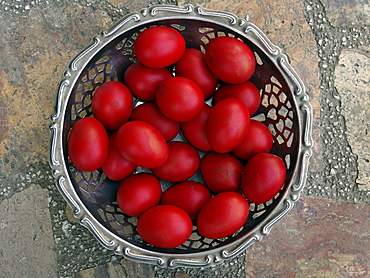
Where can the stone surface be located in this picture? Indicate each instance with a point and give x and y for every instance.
(319, 238)
(27, 245)
(37, 50)
(118, 269)
(352, 13)
(352, 80)
(337, 177)
(39, 38)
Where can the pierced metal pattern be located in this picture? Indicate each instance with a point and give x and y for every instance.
(87, 84)
(93, 196)
(280, 116)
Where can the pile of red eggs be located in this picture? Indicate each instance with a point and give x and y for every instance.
(230, 150)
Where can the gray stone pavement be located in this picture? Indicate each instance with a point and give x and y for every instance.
(328, 42)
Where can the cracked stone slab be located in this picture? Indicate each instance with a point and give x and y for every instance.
(352, 80)
(25, 234)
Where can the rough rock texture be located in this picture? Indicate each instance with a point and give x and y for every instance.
(337, 177)
(27, 245)
(299, 247)
(352, 80)
(349, 13)
(118, 269)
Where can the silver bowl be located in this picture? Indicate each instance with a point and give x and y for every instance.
(284, 109)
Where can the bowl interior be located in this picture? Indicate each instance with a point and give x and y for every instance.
(277, 111)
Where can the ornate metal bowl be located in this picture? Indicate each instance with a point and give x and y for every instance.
(284, 109)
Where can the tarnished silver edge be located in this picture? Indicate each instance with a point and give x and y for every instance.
(63, 84)
(52, 154)
(263, 41)
(96, 42)
(108, 243)
(307, 136)
(204, 258)
(247, 243)
(233, 19)
(284, 63)
(143, 258)
(266, 229)
(156, 9)
(305, 113)
(305, 157)
(184, 263)
(74, 205)
(108, 33)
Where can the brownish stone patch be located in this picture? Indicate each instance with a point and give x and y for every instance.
(4, 123)
(318, 238)
(177, 275)
(134, 269)
(38, 50)
(351, 78)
